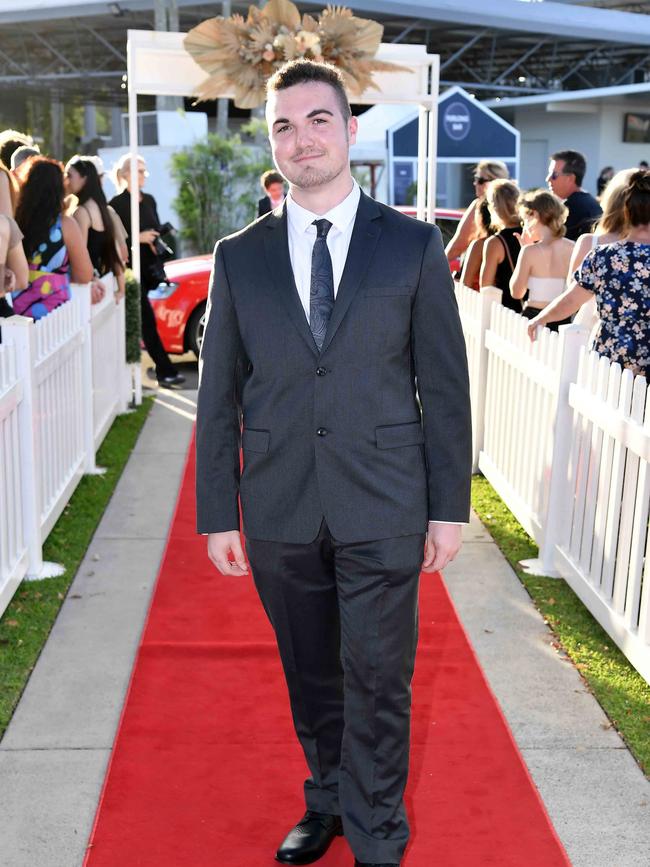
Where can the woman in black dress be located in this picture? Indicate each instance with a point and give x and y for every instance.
(150, 262)
(94, 219)
(501, 251)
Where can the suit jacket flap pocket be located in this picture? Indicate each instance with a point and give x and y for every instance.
(394, 435)
(255, 440)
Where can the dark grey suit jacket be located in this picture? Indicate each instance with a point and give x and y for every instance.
(340, 434)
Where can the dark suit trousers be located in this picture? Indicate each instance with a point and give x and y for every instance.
(345, 618)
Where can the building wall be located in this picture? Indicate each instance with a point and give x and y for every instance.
(613, 150)
(544, 132)
(593, 127)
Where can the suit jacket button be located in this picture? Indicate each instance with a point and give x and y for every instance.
(322, 432)
(320, 371)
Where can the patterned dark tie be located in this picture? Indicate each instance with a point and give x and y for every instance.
(321, 295)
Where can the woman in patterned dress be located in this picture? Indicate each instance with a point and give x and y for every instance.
(618, 276)
(53, 244)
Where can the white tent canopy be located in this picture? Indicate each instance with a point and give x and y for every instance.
(158, 64)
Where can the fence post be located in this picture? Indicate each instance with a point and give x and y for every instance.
(18, 331)
(490, 295)
(81, 291)
(556, 521)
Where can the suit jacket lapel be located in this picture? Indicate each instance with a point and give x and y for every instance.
(276, 244)
(365, 235)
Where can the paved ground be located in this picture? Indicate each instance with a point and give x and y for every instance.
(54, 755)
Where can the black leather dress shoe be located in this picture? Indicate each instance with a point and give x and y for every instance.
(310, 839)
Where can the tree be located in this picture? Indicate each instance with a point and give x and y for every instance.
(218, 188)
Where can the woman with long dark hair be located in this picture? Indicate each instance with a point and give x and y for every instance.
(53, 243)
(93, 216)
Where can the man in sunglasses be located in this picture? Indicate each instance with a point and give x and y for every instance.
(565, 174)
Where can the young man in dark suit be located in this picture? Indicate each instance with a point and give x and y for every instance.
(273, 186)
(333, 333)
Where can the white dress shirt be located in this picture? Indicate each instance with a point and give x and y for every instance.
(302, 234)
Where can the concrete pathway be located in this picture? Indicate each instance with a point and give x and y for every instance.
(54, 755)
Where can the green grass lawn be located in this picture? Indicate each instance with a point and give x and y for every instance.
(27, 621)
(620, 689)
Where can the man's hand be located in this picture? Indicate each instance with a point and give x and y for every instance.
(221, 546)
(442, 544)
(148, 236)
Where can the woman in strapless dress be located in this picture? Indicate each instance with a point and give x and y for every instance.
(543, 264)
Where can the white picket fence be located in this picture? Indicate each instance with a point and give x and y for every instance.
(564, 438)
(63, 380)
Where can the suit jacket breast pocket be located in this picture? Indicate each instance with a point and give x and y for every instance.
(388, 291)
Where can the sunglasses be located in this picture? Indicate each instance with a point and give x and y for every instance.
(555, 175)
(479, 180)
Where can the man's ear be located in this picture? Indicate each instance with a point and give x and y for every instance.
(353, 126)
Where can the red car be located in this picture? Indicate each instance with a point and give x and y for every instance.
(180, 306)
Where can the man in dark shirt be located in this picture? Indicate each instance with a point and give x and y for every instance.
(565, 173)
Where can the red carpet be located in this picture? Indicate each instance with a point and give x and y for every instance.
(206, 771)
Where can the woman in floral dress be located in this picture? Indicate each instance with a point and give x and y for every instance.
(618, 276)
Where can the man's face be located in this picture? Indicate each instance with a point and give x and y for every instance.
(559, 183)
(309, 137)
(275, 191)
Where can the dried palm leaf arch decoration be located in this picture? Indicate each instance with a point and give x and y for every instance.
(241, 54)
(158, 64)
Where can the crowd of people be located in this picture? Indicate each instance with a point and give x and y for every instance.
(559, 255)
(57, 228)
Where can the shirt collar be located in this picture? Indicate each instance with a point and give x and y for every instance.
(340, 216)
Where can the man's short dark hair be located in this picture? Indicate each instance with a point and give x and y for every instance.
(271, 177)
(574, 164)
(308, 71)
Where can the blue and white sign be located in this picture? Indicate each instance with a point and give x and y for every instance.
(456, 120)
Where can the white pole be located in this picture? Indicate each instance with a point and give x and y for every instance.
(432, 163)
(422, 163)
(133, 149)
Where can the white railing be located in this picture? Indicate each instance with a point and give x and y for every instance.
(604, 552)
(475, 310)
(62, 382)
(564, 438)
(108, 368)
(13, 544)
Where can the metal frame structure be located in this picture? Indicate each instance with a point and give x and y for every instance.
(158, 65)
(496, 50)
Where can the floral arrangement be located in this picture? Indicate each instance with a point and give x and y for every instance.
(241, 54)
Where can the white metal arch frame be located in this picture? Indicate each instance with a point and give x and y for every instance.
(158, 65)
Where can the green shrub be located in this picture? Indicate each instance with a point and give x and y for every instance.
(218, 188)
(133, 318)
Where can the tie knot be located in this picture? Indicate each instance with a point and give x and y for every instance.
(322, 228)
